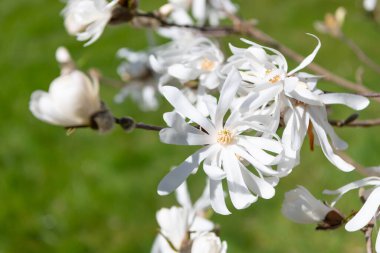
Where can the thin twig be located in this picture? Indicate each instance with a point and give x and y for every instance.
(362, 56)
(368, 237)
(356, 123)
(148, 127)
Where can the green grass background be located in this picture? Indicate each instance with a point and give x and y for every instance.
(97, 193)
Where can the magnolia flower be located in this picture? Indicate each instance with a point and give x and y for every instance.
(225, 146)
(87, 19)
(180, 225)
(302, 207)
(369, 210)
(208, 242)
(212, 11)
(293, 95)
(369, 5)
(188, 60)
(141, 81)
(333, 23)
(306, 113)
(71, 100)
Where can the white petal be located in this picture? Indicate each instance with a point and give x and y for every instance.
(184, 107)
(240, 195)
(260, 98)
(227, 94)
(257, 185)
(309, 58)
(214, 172)
(183, 196)
(328, 151)
(355, 102)
(217, 197)
(369, 5)
(173, 136)
(183, 73)
(177, 176)
(366, 213)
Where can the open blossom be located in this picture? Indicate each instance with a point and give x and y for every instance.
(332, 23)
(370, 209)
(225, 147)
(212, 11)
(71, 100)
(302, 207)
(87, 19)
(180, 225)
(292, 94)
(188, 60)
(141, 82)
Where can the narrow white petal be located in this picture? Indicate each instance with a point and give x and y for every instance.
(177, 176)
(183, 73)
(184, 107)
(183, 196)
(355, 102)
(173, 136)
(217, 197)
(240, 195)
(227, 94)
(366, 213)
(257, 185)
(309, 58)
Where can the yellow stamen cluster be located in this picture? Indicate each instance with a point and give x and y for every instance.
(207, 65)
(275, 79)
(224, 137)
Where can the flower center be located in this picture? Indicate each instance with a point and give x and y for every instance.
(275, 79)
(207, 65)
(224, 137)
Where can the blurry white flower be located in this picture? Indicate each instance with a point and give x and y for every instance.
(208, 243)
(87, 19)
(332, 23)
(212, 11)
(141, 82)
(369, 5)
(369, 210)
(302, 207)
(179, 225)
(71, 100)
(225, 146)
(188, 60)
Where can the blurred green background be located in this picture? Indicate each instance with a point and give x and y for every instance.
(97, 193)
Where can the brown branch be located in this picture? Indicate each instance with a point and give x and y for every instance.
(368, 237)
(243, 28)
(356, 123)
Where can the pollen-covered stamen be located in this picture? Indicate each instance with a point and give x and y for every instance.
(275, 79)
(224, 137)
(207, 65)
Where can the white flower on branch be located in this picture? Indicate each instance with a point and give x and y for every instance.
(369, 212)
(369, 5)
(292, 94)
(301, 206)
(86, 19)
(141, 81)
(225, 149)
(212, 11)
(180, 225)
(71, 100)
(332, 23)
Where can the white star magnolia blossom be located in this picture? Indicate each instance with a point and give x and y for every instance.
(302, 207)
(212, 11)
(369, 5)
(225, 147)
(87, 19)
(141, 82)
(293, 94)
(71, 100)
(180, 227)
(369, 210)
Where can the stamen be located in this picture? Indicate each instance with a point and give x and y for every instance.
(224, 137)
(275, 79)
(207, 65)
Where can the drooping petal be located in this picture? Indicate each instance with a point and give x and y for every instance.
(240, 196)
(177, 176)
(217, 197)
(328, 151)
(257, 185)
(355, 102)
(366, 213)
(309, 58)
(184, 107)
